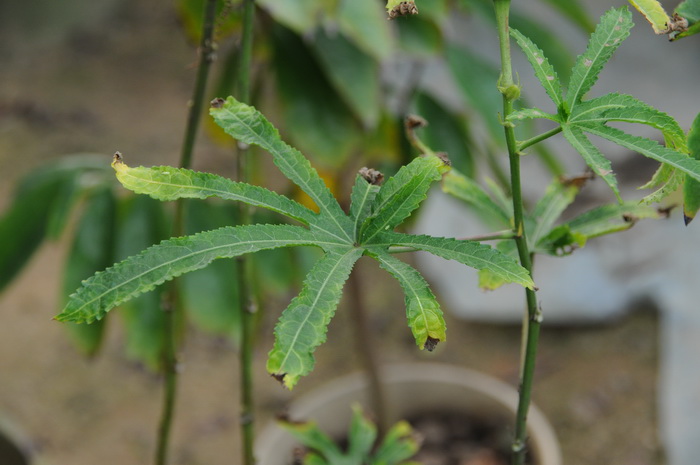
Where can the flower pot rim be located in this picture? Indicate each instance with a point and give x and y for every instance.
(543, 438)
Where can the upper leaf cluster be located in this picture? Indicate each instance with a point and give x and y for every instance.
(368, 229)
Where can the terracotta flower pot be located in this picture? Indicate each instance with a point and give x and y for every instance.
(411, 389)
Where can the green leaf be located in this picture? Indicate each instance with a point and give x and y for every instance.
(298, 15)
(648, 148)
(169, 259)
(654, 13)
(575, 12)
(467, 190)
(476, 79)
(614, 27)
(689, 10)
(419, 36)
(422, 308)
(691, 187)
(353, 73)
(211, 295)
(549, 208)
(302, 326)
(590, 153)
(309, 434)
(620, 107)
(398, 445)
(361, 436)
(364, 22)
(490, 281)
(666, 180)
(168, 183)
(446, 132)
(361, 198)
(92, 249)
(470, 253)
(141, 223)
(532, 113)
(23, 226)
(248, 125)
(402, 194)
(544, 71)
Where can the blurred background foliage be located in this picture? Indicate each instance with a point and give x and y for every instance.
(338, 79)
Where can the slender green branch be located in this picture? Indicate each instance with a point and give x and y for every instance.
(532, 322)
(248, 305)
(546, 135)
(171, 303)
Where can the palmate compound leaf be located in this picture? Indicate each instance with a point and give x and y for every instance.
(171, 258)
(168, 183)
(473, 254)
(613, 28)
(544, 71)
(248, 125)
(302, 326)
(422, 308)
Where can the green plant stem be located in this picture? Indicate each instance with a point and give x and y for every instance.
(171, 304)
(531, 328)
(546, 135)
(247, 302)
(365, 349)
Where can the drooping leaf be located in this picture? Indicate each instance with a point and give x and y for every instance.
(422, 308)
(361, 199)
(544, 71)
(402, 194)
(419, 36)
(309, 434)
(490, 281)
(595, 160)
(470, 253)
(476, 78)
(665, 180)
(691, 187)
(210, 295)
(364, 22)
(316, 119)
(575, 12)
(353, 73)
(648, 148)
(613, 28)
(169, 183)
(467, 190)
(248, 125)
(594, 223)
(299, 15)
(23, 226)
(654, 13)
(92, 249)
(549, 208)
(446, 132)
(169, 259)
(302, 326)
(142, 222)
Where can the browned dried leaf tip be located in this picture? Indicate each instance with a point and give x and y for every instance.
(414, 122)
(577, 181)
(217, 102)
(665, 212)
(403, 9)
(279, 377)
(687, 219)
(117, 157)
(444, 157)
(372, 176)
(431, 343)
